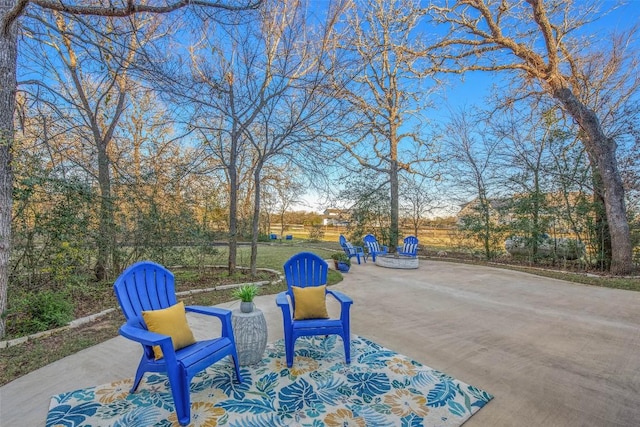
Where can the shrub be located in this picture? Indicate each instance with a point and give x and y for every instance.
(570, 249)
(40, 311)
(340, 257)
(316, 234)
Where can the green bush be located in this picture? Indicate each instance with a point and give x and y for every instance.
(341, 257)
(262, 237)
(40, 311)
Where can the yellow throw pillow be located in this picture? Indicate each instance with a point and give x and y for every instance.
(170, 321)
(310, 302)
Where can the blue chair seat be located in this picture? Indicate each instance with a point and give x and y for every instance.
(318, 324)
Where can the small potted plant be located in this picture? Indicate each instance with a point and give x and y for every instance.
(341, 261)
(246, 294)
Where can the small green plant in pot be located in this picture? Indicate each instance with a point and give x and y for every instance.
(341, 261)
(246, 294)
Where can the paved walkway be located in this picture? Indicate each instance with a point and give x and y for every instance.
(552, 353)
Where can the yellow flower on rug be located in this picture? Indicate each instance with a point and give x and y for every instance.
(344, 418)
(401, 366)
(203, 414)
(301, 365)
(114, 391)
(402, 403)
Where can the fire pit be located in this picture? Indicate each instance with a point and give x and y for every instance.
(397, 261)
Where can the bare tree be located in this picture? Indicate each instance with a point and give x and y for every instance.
(384, 94)
(234, 83)
(539, 43)
(470, 162)
(91, 77)
(417, 200)
(288, 191)
(526, 160)
(263, 93)
(10, 12)
(297, 116)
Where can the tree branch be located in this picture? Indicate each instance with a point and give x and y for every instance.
(131, 8)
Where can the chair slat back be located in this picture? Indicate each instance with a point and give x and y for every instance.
(144, 285)
(305, 269)
(372, 243)
(410, 244)
(410, 248)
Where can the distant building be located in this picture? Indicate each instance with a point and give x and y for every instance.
(499, 210)
(335, 217)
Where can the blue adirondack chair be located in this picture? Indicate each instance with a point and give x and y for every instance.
(352, 251)
(303, 270)
(148, 286)
(410, 246)
(373, 247)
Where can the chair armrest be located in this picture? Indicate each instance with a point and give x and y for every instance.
(220, 313)
(143, 336)
(342, 298)
(283, 302)
(345, 305)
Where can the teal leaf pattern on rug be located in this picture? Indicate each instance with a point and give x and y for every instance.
(369, 384)
(67, 415)
(379, 388)
(442, 393)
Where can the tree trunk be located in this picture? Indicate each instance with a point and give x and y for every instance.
(603, 151)
(486, 223)
(233, 206)
(601, 228)
(106, 228)
(282, 223)
(255, 225)
(8, 85)
(394, 232)
(536, 228)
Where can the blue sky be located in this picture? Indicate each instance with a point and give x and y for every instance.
(476, 85)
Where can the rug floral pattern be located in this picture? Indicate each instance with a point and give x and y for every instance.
(379, 388)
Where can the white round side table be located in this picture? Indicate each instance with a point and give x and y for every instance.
(250, 332)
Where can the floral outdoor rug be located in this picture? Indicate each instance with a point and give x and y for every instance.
(379, 388)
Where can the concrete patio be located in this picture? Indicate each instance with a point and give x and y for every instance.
(552, 353)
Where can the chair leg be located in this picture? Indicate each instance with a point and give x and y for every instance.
(139, 374)
(347, 349)
(289, 349)
(236, 363)
(180, 391)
